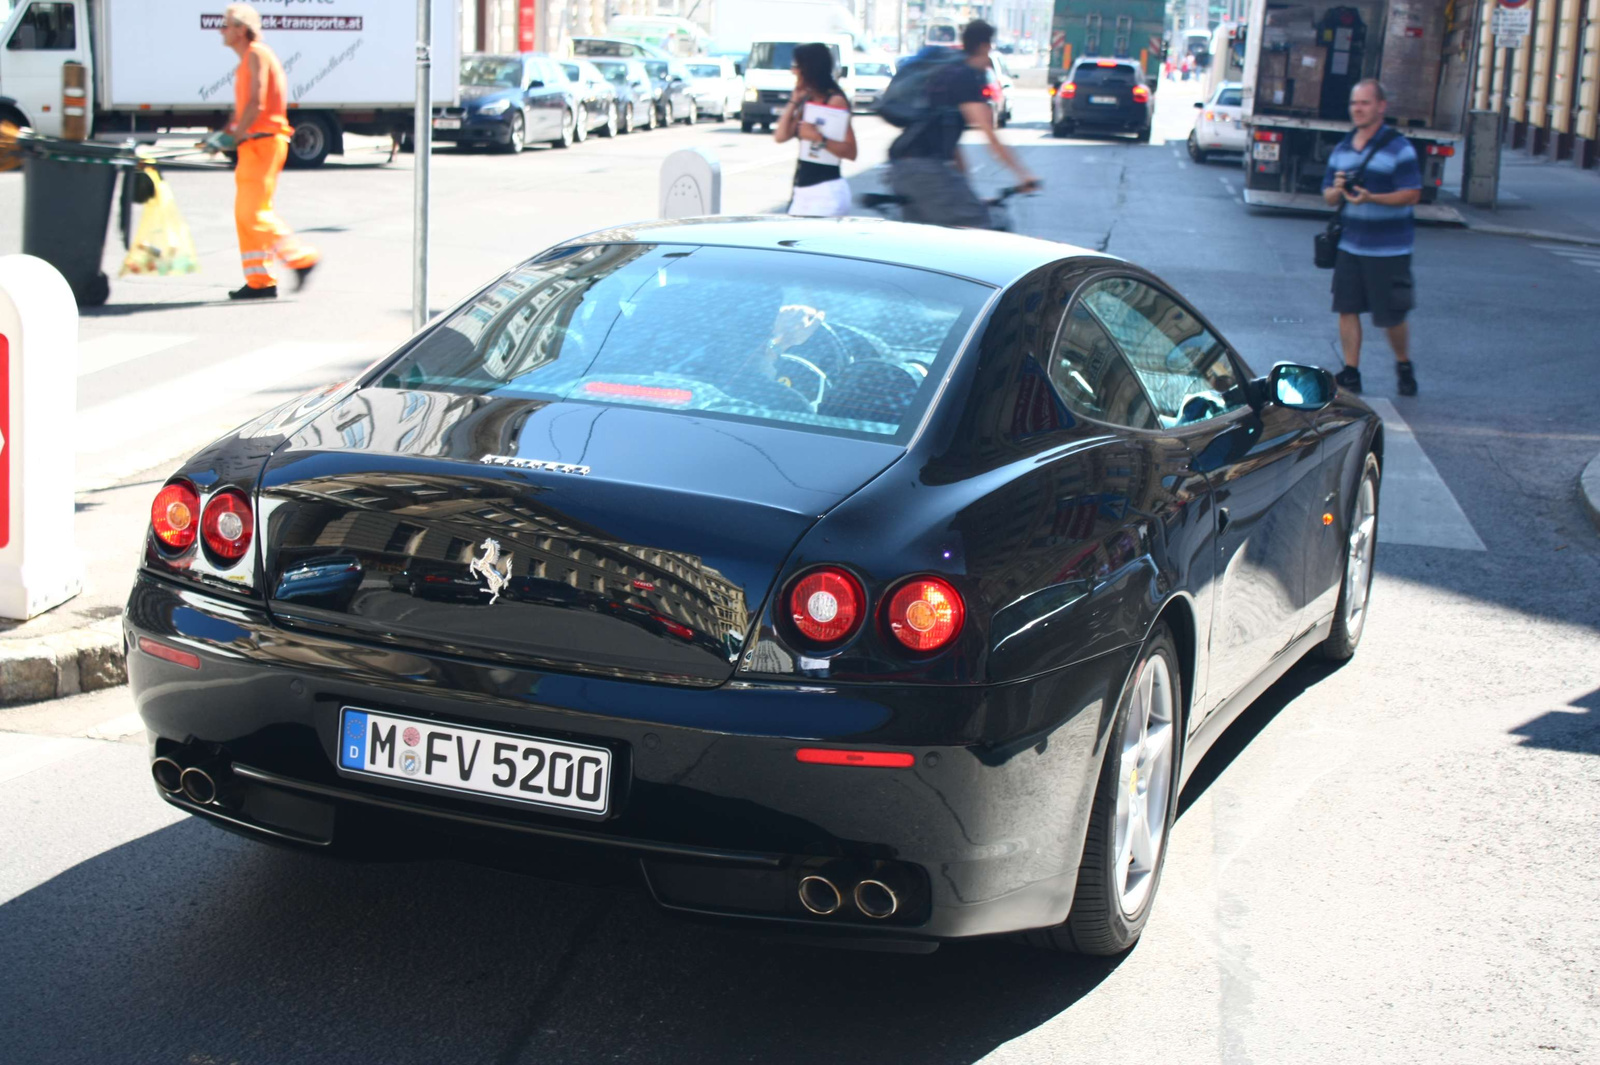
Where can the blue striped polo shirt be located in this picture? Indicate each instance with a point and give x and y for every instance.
(1372, 228)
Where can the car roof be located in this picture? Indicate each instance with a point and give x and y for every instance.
(991, 258)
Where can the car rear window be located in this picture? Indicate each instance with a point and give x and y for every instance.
(1230, 98)
(830, 345)
(1092, 74)
(705, 70)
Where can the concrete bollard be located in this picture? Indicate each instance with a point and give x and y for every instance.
(39, 563)
(691, 184)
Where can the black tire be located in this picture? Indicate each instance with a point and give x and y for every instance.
(517, 135)
(1062, 129)
(310, 142)
(1143, 136)
(746, 126)
(96, 292)
(766, 127)
(1194, 150)
(408, 144)
(1341, 643)
(655, 117)
(625, 120)
(610, 128)
(1097, 924)
(569, 123)
(580, 125)
(693, 114)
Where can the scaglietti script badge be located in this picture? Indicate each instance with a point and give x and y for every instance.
(534, 464)
(496, 571)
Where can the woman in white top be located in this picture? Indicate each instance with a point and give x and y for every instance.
(818, 114)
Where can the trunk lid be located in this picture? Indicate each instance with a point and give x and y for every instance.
(611, 540)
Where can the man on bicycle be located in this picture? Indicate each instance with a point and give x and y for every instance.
(925, 165)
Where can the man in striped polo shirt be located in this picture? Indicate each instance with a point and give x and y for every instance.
(1373, 272)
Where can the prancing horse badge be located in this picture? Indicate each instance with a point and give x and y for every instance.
(492, 568)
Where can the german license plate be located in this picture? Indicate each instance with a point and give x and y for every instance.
(1266, 150)
(447, 123)
(1102, 99)
(526, 769)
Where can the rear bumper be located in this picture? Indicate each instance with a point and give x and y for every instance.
(1085, 115)
(711, 809)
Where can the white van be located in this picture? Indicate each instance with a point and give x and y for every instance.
(768, 81)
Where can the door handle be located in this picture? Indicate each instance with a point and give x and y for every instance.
(1222, 518)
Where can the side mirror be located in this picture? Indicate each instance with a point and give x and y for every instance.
(844, 72)
(535, 84)
(1300, 387)
(1199, 105)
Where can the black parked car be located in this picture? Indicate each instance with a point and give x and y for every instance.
(510, 101)
(674, 94)
(636, 96)
(1106, 95)
(597, 98)
(894, 601)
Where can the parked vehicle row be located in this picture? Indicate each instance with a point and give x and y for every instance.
(511, 101)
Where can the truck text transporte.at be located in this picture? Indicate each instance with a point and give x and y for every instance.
(1117, 29)
(154, 65)
(1302, 59)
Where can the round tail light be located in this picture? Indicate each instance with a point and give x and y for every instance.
(226, 525)
(827, 605)
(174, 514)
(926, 614)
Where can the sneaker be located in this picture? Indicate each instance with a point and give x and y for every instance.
(1408, 377)
(302, 274)
(1349, 379)
(270, 292)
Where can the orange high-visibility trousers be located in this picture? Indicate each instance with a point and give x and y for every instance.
(262, 233)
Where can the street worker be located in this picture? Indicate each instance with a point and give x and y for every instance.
(925, 164)
(259, 131)
(1374, 171)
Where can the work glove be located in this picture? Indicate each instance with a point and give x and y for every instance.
(220, 141)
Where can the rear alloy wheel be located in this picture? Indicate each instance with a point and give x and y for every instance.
(580, 124)
(1361, 548)
(693, 116)
(1195, 151)
(568, 124)
(1134, 806)
(655, 118)
(610, 128)
(625, 120)
(517, 135)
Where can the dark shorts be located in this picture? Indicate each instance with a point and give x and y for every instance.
(936, 193)
(1379, 285)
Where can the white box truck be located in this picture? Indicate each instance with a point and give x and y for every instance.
(154, 65)
(1302, 58)
(769, 30)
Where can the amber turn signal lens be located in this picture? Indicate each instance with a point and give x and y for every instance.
(926, 613)
(173, 514)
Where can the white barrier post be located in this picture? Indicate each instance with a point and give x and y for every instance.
(39, 564)
(691, 184)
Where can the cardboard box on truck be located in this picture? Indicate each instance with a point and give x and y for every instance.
(1307, 65)
(1413, 46)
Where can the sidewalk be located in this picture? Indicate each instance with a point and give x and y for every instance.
(1539, 200)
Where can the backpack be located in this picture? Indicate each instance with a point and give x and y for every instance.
(906, 101)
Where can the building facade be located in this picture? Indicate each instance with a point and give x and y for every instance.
(1548, 87)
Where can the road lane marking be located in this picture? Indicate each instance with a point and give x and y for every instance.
(1418, 508)
(114, 349)
(21, 754)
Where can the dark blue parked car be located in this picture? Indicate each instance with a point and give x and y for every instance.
(509, 102)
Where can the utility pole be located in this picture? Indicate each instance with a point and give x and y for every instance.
(422, 152)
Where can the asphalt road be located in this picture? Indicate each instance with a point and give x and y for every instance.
(1389, 862)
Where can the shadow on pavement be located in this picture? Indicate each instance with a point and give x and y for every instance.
(115, 310)
(1565, 730)
(191, 945)
(1305, 674)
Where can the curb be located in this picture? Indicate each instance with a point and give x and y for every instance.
(1533, 234)
(1589, 489)
(49, 667)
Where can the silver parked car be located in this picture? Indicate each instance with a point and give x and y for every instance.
(716, 86)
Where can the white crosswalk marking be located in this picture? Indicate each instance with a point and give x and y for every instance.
(1578, 254)
(114, 349)
(142, 429)
(1417, 507)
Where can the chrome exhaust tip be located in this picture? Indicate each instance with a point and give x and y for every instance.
(818, 895)
(876, 899)
(198, 786)
(168, 775)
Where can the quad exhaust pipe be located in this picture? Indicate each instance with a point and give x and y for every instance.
(873, 898)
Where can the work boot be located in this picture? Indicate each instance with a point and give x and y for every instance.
(302, 274)
(1349, 379)
(269, 292)
(1408, 377)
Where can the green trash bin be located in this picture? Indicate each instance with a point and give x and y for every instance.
(67, 192)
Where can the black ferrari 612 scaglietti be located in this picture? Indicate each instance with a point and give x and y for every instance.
(850, 577)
